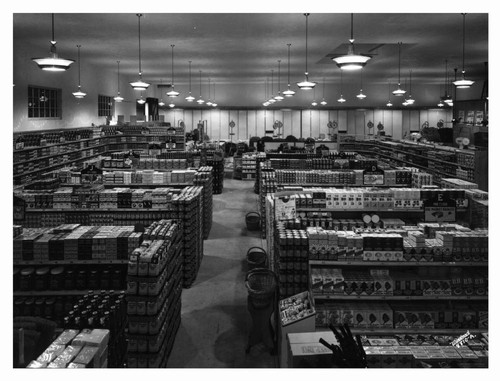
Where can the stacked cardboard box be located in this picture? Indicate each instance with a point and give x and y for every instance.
(153, 295)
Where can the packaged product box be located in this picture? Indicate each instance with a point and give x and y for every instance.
(316, 281)
(65, 337)
(305, 350)
(51, 353)
(68, 354)
(89, 357)
(95, 338)
(37, 365)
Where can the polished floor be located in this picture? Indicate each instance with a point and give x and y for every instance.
(215, 321)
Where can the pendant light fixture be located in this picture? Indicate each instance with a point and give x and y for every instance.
(214, 104)
(389, 103)
(323, 102)
(200, 101)
(190, 98)
(314, 103)
(118, 97)
(266, 102)
(79, 94)
(171, 105)
(306, 84)
(447, 97)
(361, 96)
(53, 62)
(399, 92)
(288, 92)
(351, 61)
(341, 99)
(209, 102)
(272, 100)
(409, 99)
(279, 97)
(139, 85)
(160, 103)
(172, 93)
(463, 83)
(141, 100)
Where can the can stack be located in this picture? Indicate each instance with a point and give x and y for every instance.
(154, 286)
(189, 208)
(204, 177)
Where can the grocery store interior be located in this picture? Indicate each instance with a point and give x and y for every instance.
(250, 190)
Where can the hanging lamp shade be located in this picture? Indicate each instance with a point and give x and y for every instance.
(139, 85)
(361, 96)
(161, 103)
(389, 103)
(289, 92)
(172, 93)
(171, 105)
(323, 102)
(463, 83)
(306, 84)
(79, 94)
(399, 92)
(200, 100)
(190, 98)
(341, 99)
(209, 102)
(118, 97)
(351, 61)
(440, 104)
(141, 100)
(279, 97)
(53, 62)
(272, 100)
(214, 104)
(409, 100)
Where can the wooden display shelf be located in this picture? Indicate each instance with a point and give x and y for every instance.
(156, 185)
(416, 331)
(340, 185)
(51, 292)
(58, 144)
(47, 169)
(366, 210)
(398, 263)
(97, 210)
(73, 262)
(392, 297)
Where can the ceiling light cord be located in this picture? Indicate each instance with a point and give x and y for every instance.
(200, 84)
(463, 44)
(189, 77)
(118, 77)
(279, 73)
(172, 65)
(53, 41)
(399, 64)
(323, 87)
(272, 82)
(307, 16)
(352, 28)
(139, 15)
(79, 46)
(289, 64)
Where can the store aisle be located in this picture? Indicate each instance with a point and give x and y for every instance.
(215, 320)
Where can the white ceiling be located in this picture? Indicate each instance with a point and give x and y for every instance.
(238, 51)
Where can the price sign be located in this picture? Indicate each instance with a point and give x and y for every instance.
(373, 176)
(440, 209)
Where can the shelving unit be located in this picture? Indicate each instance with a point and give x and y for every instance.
(466, 164)
(28, 168)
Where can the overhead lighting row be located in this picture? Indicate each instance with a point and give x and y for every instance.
(351, 61)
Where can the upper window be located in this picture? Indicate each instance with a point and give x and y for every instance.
(105, 105)
(44, 102)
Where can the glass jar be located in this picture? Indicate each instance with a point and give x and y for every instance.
(42, 278)
(57, 278)
(26, 279)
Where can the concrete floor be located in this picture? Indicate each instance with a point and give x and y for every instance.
(215, 320)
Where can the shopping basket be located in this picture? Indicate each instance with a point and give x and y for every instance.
(253, 221)
(256, 257)
(261, 285)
